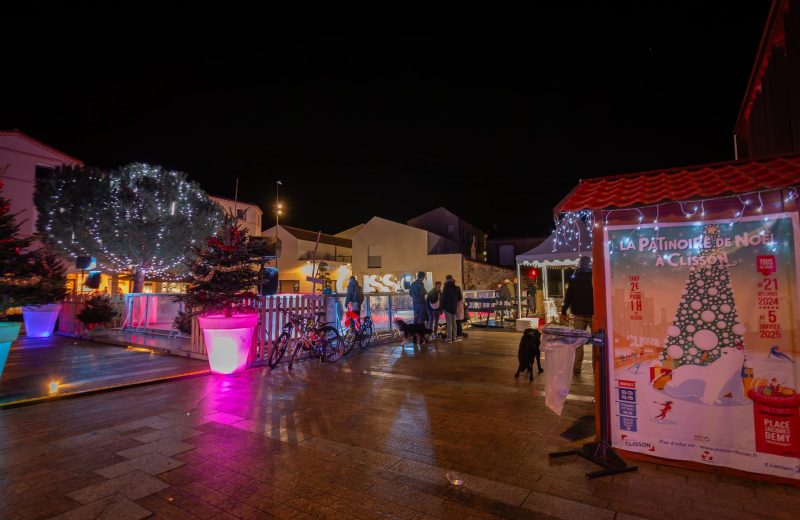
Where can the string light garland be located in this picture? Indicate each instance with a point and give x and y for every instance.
(139, 218)
(568, 229)
(568, 226)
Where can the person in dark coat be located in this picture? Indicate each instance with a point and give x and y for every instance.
(531, 300)
(450, 300)
(418, 296)
(580, 299)
(354, 296)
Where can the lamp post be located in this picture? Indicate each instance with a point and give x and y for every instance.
(277, 218)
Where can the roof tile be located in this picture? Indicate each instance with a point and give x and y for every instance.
(682, 184)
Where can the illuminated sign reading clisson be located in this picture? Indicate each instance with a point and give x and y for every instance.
(389, 282)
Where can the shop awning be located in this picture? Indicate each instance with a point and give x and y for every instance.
(563, 255)
(683, 184)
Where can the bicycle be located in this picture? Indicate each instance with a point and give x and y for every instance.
(358, 331)
(322, 340)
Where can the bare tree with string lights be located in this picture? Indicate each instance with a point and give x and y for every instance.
(139, 218)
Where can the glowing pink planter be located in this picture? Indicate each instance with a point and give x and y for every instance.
(9, 331)
(40, 320)
(228, 340)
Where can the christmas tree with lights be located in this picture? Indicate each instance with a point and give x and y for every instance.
(222, 277)
(138, 218)
(26, 277)
(15, 274)
(706, 320)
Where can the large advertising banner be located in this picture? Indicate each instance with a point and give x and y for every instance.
(703, 332)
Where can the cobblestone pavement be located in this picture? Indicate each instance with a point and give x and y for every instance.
(372, 436)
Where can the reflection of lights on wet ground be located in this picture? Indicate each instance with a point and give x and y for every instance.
(454, 478)
(412, 415)
(52, 387)
(140, 349)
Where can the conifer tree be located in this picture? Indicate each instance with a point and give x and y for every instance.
(222, 275)
(26, 277)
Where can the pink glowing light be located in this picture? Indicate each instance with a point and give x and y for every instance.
(228, 341)
(40, 320)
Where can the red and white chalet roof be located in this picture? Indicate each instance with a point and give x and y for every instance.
(683, 184)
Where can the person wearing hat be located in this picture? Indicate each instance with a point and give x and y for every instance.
(506, 297)
(418, 298)
(580, 299)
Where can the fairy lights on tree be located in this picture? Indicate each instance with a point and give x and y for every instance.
(138, 218)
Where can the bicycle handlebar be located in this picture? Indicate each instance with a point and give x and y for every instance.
(294, 315)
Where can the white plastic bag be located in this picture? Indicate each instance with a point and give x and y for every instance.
(558, 345)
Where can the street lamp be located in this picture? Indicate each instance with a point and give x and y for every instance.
(278, 207)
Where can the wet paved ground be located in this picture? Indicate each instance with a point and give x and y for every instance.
(370, 437)
(80, 365)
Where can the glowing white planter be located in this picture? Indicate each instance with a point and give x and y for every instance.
(8, 333)
(228, 340)
(40, 320)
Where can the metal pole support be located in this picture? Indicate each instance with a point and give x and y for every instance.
(601, 452)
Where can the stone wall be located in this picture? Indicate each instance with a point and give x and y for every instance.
(478, 275)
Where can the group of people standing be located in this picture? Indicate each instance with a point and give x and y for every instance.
(428, 306)
(444, 298)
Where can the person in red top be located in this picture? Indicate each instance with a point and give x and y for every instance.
(664, 411)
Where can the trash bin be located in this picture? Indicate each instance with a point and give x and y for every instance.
(777, 420)
(559, 344)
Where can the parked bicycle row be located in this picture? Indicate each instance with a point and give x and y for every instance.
(321, 340)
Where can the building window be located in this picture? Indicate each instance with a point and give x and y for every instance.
(506, 254)
(374, 256)
(241, 214)
(451, 230)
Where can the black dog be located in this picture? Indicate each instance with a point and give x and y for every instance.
(529, 351)
(415, 331)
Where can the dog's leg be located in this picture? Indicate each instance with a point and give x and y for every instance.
(530, 371)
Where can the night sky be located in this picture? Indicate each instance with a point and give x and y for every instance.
(493, 115)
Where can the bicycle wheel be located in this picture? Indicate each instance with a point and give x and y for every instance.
(333, 346)
(350, 338)
(278, 349)
(296, 353)
(366, 335)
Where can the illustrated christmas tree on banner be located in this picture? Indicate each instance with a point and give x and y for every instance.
(706, 320)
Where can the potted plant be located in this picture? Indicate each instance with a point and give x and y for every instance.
(221, 281)
(97, 313)
(42, 301)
